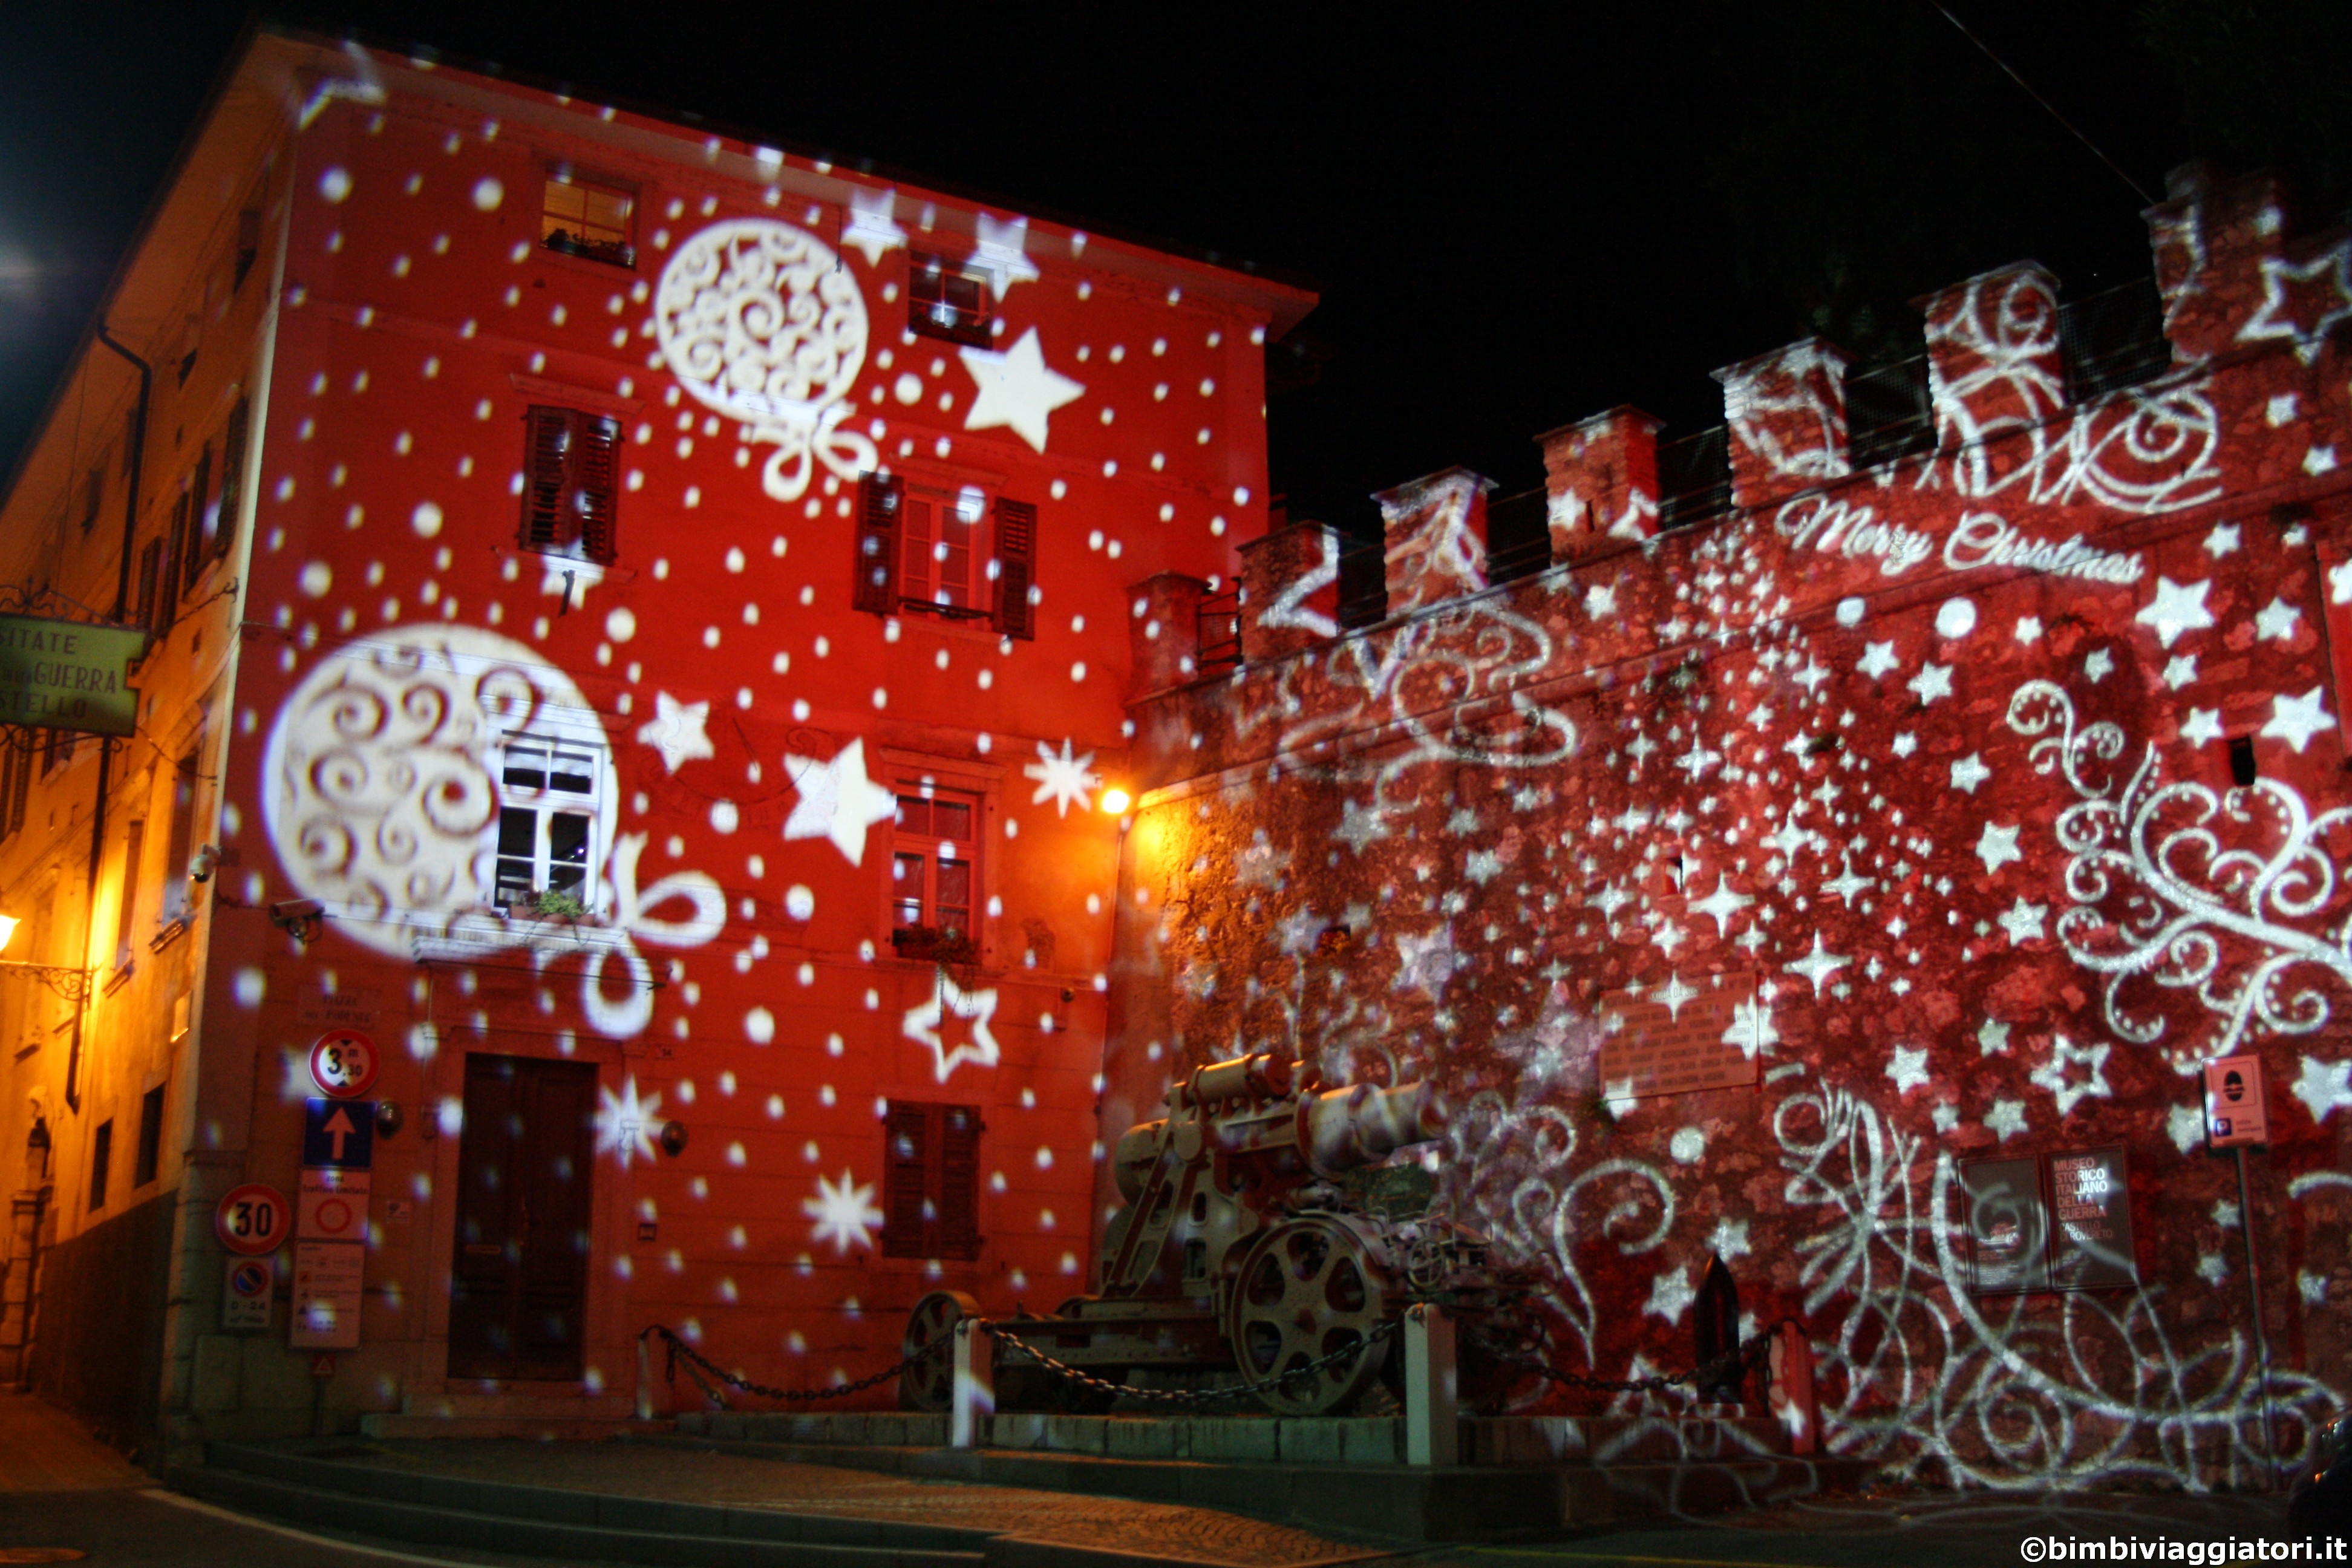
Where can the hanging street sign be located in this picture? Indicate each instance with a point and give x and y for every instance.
(69, 675)
(245, 1294)
(2237, 1108)
(338, 1134)
(344, 1064)
(252, 1219)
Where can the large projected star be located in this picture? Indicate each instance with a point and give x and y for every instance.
(837, 801)
(1016, 389)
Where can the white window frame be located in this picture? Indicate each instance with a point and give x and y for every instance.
(553, 741)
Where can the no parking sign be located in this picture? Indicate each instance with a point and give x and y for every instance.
(245, 1294)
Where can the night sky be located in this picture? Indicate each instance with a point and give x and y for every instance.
(1513, 224)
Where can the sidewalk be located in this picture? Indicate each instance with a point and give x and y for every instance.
(43, 1449)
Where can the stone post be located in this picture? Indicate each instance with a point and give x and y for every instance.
(2219, 245)
(1993, 367)
(1163, 632)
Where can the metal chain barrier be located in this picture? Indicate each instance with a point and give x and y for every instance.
(1708, 1375)
(677, 1348)
(1744, 1359)
(1069, 1373)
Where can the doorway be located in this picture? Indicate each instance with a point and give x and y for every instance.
(519, 1277)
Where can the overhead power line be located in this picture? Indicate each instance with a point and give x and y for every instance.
(2048, 108)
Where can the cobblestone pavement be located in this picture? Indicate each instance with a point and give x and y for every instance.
(686, 1476)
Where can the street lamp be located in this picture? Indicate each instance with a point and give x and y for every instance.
(1115, 802)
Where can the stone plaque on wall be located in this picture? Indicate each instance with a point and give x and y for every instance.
(1680, 1037)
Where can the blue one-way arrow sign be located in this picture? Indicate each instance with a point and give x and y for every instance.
(339, 1134)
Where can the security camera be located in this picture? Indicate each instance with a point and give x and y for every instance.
(298, 917)
(207, 861)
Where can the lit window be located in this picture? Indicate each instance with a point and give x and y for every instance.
(945, 301)
(547, 821)
(581, 217)
(934, 860)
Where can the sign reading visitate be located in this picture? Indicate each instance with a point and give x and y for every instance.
(68, 674)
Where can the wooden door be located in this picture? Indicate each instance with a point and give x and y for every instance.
(519, 1288)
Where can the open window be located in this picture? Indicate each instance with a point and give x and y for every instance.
(952, 554)
(548, 812)
(568, 496)
(947, 302)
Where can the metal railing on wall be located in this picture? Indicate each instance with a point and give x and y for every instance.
(1694, 477)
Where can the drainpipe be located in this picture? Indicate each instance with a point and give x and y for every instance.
(106, 743)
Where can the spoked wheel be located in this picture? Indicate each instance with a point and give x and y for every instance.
(929, 1383)
(1307, 1287)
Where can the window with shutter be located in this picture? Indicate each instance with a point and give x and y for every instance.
(881, 507)
(931, 1181)
(232, 474)
(175, 553)
(947, 302)
(570, 485)
(1016, 568)
(199, 516)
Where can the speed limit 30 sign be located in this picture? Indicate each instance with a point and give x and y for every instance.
(252, 1219)
(344, 1064)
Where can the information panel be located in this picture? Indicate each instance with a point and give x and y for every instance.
(69, 675)
(1679, 1037)
(328, 1279)
(2009, 1226)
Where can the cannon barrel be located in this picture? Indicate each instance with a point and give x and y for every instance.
(1351, 1128)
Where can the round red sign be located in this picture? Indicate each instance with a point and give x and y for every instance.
(253, 1218)
(344, 1064)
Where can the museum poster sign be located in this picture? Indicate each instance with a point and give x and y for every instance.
(2009, 1226)
(2055, 1222)
(2091, 1244)
(69, 675)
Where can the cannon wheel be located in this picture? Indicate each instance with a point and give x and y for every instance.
(929, 1384)
(1307, 1287)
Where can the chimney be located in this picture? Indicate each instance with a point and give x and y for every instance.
(1785, 411)
(1290, 590)
(1436, 534)
(1601, 474)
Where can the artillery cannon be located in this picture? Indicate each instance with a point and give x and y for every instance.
(1239, 1250)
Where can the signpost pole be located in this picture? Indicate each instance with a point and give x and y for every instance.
(2254, 1298)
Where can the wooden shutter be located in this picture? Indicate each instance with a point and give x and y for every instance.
(175, 553)
(199, 487)
(906, 1137)
(232, 474)
(595, 464)
(547, 457)
(141, 609)
(1016, 567)
(881, 500)
(959, 1184)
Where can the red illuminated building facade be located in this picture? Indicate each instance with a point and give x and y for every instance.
(640, 635)
(644, 628)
